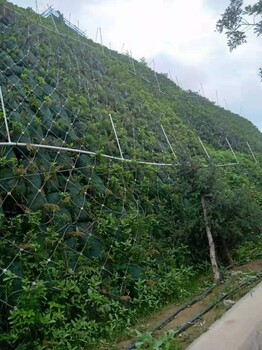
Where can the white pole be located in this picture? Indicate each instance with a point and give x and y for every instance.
(204, 148)
(97, 29)
(231, 149)
(154, 69)
(37, 10)
(133, 62)
(67, 149)
(226, 103)
(51, 10)
(101, 39)
(158, 85)
(217, 97)
(54, 22)
(69, 23)
(203, 92)
(171, 78)
(4, 114)
(81, 151)
(253, 155)
(178, 83)
(241, 110)
(169, 144)
(117, 140)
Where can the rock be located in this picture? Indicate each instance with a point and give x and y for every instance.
(228, 303)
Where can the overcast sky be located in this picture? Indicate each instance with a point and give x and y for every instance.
(180, 36)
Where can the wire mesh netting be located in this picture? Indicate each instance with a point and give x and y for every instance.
(68, 214)
(80, 199)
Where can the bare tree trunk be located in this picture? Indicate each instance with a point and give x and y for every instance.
(212, 251)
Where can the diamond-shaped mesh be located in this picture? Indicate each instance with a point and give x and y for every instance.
(70, 205)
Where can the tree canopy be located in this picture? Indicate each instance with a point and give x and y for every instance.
(237, 20)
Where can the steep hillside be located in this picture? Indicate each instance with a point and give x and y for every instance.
(103, 165)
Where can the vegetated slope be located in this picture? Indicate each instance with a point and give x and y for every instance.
(88, 242)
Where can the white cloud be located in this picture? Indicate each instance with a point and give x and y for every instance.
(149, 27)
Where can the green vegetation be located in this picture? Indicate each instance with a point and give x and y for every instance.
(89, 244)
(166, 342)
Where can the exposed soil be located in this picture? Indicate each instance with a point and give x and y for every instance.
(252, 266)
(201, 325)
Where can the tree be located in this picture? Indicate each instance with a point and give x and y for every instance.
(222, 211)
(196, 185)
(212, 250)
(237, 20)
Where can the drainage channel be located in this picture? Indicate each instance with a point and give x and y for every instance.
(199, 297)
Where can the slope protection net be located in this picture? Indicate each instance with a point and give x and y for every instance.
(70, 216)
(86, 196)
(40, 107)
(68, 98)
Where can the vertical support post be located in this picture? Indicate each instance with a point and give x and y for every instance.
(231, 149)
(133, 64)
(203, 92)
(117, 140)
(178, 83)
(149, 64)
(122, 49)
(101, 39)
(78, 28)
(97, 30)
(253, 155)
(170, 75)
(54, 22)
(204, 148)
(129, 57)
(217, 97)
(69, 22)
(226, 103)
(4, 115)
(241, 108)
(169, 144)
(37, 11)
(157, 81)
